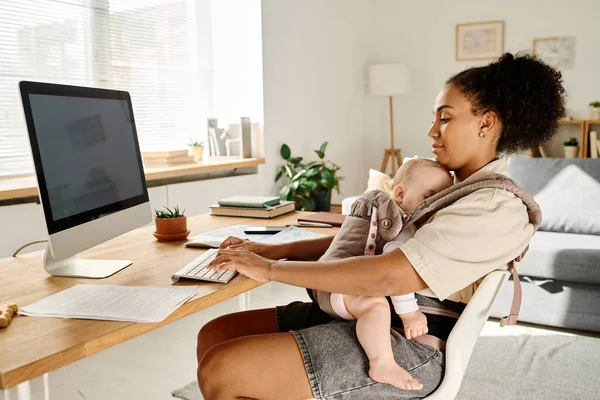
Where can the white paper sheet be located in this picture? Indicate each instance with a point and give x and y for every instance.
(112, 302)
(291, 234)
(226, 231)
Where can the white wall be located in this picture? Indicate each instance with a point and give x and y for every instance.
(422, 35)
(315, 55)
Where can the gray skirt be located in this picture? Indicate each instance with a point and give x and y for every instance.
(338, 367)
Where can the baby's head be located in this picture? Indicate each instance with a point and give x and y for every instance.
(418, 179)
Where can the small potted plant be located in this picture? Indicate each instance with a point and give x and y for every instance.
(571, 148)
(595, 110)
(171, 224)
(197, 148)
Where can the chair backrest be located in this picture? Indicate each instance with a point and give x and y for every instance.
(463, 337)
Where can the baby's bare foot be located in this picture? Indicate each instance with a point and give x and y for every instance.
(388, 371)
(415, 324)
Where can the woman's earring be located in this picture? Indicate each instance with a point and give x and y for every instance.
(481, 134)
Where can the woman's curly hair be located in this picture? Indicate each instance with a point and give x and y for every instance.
(527, 95)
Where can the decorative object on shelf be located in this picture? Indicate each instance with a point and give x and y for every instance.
(171, 224)
(390, 80)
(479, 40)
(594, 148)
(558, 52)
(565, 119)
(571, 148)
(308, 185)
(230, 137)
(197, 149)
(595, 110)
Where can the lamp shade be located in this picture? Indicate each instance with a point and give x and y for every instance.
(389, 79)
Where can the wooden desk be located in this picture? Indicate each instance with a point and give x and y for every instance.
(31, 347)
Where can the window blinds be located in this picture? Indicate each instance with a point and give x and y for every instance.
(158, 50)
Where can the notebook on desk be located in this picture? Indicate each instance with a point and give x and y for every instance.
(324, 217)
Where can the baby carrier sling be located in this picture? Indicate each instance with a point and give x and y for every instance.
(376, 213)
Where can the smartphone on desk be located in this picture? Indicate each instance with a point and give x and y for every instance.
(263, 230)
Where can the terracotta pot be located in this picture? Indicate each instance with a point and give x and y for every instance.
(170, 225)
(197, 152)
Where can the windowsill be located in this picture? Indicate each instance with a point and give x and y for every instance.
(24, 189)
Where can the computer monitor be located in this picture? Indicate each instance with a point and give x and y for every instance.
(89, 171)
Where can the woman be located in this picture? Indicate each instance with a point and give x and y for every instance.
(292, 352)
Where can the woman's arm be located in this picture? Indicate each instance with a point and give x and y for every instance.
(311, 249)
(385, 275)
(389, 274)
(307, 250)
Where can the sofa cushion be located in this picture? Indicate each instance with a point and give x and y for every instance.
(563, 256)
(567, 190)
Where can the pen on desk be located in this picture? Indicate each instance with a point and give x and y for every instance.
(312, 225)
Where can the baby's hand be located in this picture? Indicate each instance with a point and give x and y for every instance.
(415, 324)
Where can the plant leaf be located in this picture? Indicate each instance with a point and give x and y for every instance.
(327, 175)
(312, 172)
(320, 154)
(295, 160)
(307, 203)
(279, 175)
(323, 148)
(284, 192)
(289, 171)
(286, 153)
(299, 174)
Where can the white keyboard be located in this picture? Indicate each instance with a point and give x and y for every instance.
(197, 270)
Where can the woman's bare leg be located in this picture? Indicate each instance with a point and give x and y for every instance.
(235, 325)
(265, 366)
(373, 330)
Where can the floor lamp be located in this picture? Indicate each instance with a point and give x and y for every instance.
(390, 80)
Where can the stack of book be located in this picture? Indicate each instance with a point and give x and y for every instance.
(168, 158)
(252, 207)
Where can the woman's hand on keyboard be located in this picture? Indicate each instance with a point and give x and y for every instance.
(270, 251)
(245, 262)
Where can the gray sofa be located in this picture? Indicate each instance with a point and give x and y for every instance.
(561, 272)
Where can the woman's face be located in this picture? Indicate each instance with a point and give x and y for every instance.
(455, 130)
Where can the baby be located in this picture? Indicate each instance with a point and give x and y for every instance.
(416, 180)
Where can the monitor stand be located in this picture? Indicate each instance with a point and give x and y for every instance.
(77, 267)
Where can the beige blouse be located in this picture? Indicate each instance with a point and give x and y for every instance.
(463, 242)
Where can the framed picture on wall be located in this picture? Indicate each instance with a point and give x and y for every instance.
(479, 40)
(558, 52)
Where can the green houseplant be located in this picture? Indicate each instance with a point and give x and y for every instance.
(308, 185)
(595, 110)
(196, 148)
(171, 224)
(571, 148)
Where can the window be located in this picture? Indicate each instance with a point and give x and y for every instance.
(181, 60)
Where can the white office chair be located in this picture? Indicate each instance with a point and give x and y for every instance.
(463, 337)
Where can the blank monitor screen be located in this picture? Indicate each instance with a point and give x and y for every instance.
(89, 154)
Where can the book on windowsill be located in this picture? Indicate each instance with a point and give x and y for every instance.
(164, 154)
(282, 208)
(169, 160)
(324, 217)
(250, 201)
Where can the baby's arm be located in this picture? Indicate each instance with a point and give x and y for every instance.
(414, 321)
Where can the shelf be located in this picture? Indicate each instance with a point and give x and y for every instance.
(572, 122)
(21, 188)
